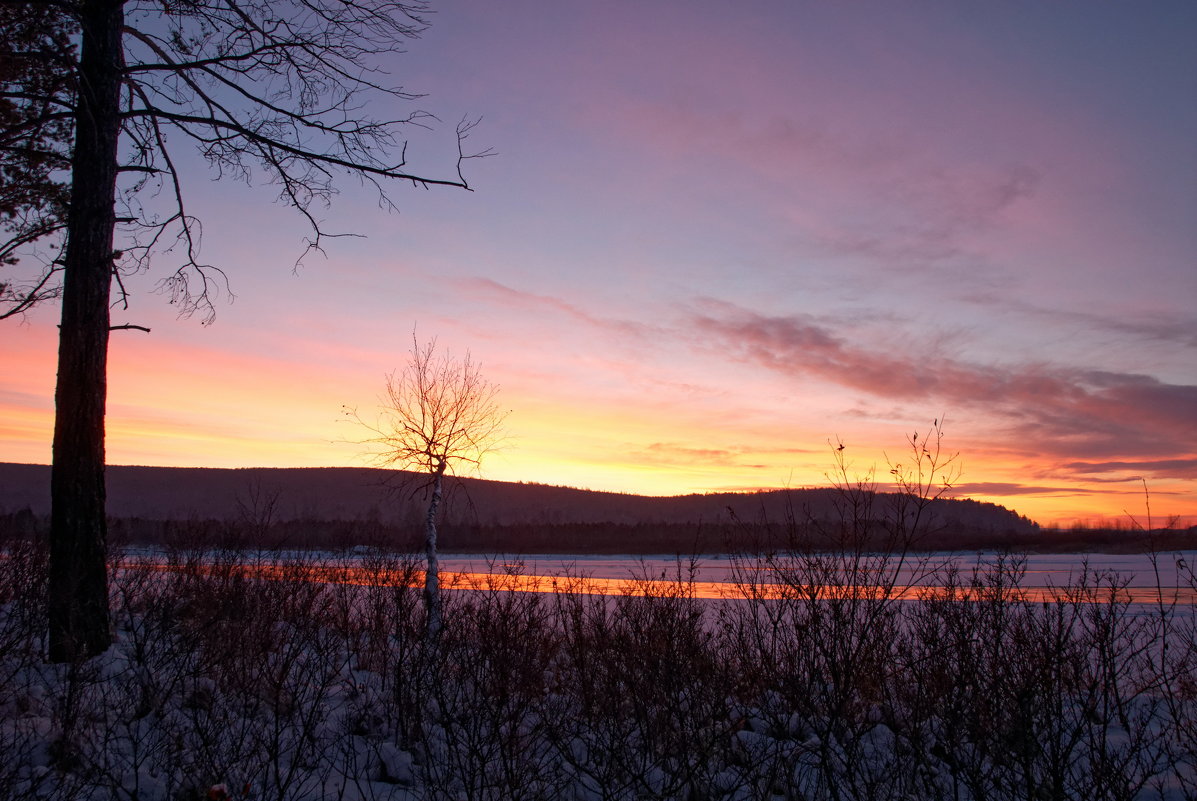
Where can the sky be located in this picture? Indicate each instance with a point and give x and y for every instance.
(718, 240)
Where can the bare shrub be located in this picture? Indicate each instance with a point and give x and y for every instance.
(819, 632)
(1175, 632)
(1017, 698)
(482, 736)
(640, 697)
(26, 705)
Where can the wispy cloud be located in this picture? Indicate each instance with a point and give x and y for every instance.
(1162, 468)
(1047, 409)
(511, 299)
(839, 186)
(929, 213)
(1009, 490)
(671, 453)
(1168, 328)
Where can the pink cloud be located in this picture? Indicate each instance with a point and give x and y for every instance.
(1043, 408)
(505, 297)
(1163, 468)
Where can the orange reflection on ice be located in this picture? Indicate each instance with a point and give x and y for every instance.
(721, 590)
(705, 590)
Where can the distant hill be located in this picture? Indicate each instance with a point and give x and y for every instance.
(343, 506)
(367, 494)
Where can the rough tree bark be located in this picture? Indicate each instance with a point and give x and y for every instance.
(78, 579)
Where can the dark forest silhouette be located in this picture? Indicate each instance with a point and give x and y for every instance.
(345, 506)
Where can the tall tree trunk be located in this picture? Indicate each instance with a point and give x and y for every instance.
(78, 582)
(432, 576)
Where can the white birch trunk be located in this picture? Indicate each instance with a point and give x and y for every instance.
(432, 588)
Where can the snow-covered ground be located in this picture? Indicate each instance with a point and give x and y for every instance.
(225, 683)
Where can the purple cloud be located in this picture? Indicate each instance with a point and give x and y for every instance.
(1049, 409)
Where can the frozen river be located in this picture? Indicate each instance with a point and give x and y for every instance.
(716, 576)
(1042, 577)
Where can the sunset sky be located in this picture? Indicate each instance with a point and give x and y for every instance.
(718, 238)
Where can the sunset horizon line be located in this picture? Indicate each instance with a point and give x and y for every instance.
(954, 492)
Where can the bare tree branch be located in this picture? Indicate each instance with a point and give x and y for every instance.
(436, 415)
(277, 89)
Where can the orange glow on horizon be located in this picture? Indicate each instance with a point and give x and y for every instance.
(202, 407)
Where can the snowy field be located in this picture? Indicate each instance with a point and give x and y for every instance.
(298, 680)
